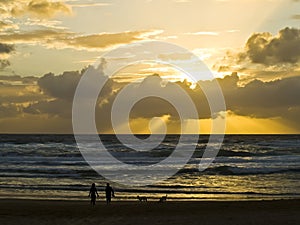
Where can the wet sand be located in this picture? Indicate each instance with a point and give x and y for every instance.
(31, 212)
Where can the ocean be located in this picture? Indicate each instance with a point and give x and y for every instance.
(248, 167)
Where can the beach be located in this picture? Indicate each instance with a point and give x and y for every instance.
(44, 212)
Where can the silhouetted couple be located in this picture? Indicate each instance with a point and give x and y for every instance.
(109, 192)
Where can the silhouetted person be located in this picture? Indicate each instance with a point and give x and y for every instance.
(93, 193)
(109, 192)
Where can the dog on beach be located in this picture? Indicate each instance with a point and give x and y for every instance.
(163, 199)
(142, 199)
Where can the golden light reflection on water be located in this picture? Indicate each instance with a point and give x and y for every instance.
(186, 187)
(234, 187)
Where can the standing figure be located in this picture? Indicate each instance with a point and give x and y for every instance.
(93, 193)
(109, 192)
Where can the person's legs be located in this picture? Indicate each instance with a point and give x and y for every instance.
(93, 201)
(108, 199)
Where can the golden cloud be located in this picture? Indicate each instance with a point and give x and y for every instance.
(35, 8)
(7, 25)
(61, 38)
(104, 40)
(35, 37)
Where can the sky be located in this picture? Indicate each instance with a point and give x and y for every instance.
(252, 48)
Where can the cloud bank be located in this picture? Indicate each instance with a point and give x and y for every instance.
(264, 48)
(51, 98)
(47, 101)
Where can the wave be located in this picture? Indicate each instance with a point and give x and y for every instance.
(54, 172)
(230, 170)
(235, 153)
(39, 153)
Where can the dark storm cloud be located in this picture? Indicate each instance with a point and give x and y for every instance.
(279, 98)
(6, 48)
(62, 86)
(151, 106)
(257, 99)
(61, 89)
(261, 99)
(264, 48)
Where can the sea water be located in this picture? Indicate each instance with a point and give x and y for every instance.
(247, 167)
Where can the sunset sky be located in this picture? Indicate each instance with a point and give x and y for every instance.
(252, 48)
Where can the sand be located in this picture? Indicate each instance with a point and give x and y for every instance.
(19, 212)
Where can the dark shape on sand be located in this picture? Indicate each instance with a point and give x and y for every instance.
(163, 199)
(93, 193)
(142, 199)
